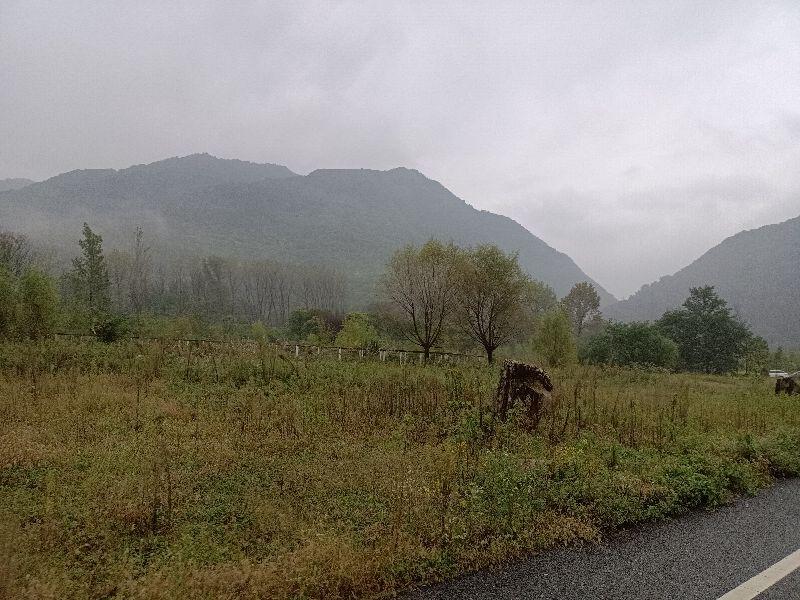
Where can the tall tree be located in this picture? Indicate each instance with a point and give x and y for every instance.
(582, 304)
(709, 338)
(140, 272)
(118, 265)
(755, 354)
(492, 293)
(89, 274)
(540, 298)
(420, 285)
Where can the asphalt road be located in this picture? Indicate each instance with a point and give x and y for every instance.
(703, 555)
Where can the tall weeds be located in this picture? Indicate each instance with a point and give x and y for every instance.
(236, 471)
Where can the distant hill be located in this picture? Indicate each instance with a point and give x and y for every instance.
(756, 271)
(14, 183)
(350, 219)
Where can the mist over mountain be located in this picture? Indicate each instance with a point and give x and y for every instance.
(350, 219)
(14, 183)
(756, 271)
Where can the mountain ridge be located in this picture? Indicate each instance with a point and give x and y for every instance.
(756, 270)
(351, 219)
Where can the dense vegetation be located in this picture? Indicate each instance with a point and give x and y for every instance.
(171, 468)
(162, 470)
(432, 296)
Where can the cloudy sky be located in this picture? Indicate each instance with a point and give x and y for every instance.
(632, 136)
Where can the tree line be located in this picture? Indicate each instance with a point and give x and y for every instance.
(440, 290)
(112, 291)
(436, 295)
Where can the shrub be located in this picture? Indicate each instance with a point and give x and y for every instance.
(112, 329)
(358, 332)
(629, 344)
(554, 342)
(38, 305)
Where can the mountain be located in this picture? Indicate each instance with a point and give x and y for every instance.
(14, 183)
(756, 271)
(351, 219)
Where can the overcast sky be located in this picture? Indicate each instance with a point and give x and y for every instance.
(632, 136)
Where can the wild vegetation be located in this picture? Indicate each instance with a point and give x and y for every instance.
(154, 466)
(157, 469)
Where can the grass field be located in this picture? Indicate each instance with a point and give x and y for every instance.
(145, 471)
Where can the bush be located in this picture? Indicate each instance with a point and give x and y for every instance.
(358, 332)
(628, 344)
(554, 342)
(112, 329)
(38, 305)
(313, 325)
(8, 304)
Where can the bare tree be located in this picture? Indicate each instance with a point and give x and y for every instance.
(140, 272)
(420, 283)
(16, 253)
(119, 275)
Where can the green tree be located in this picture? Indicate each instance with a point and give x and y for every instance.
(582, 304)
(357, 332)
(38, 305)
(313, 325)
(492, 292)
(89, 276)
(554, 342)
(777, 359)
(709, 338)
(420, 285)
(8, 304)
(540, 299)
(755, 355)
(630, 344)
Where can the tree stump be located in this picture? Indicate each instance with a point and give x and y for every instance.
(790, 384)
(524, 383)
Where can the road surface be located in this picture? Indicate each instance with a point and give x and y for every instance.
(736, 552)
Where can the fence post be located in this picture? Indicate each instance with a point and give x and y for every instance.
(340, 354)
(297, 350)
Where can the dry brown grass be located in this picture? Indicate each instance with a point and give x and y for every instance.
(126, 477)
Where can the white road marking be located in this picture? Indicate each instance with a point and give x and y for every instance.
(766, 579)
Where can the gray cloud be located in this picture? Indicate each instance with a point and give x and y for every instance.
(632, 136)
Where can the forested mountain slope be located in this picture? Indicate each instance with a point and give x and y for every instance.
(349, 219)
(756, 271)
(14, 183)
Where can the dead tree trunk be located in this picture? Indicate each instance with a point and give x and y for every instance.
(525, 383)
